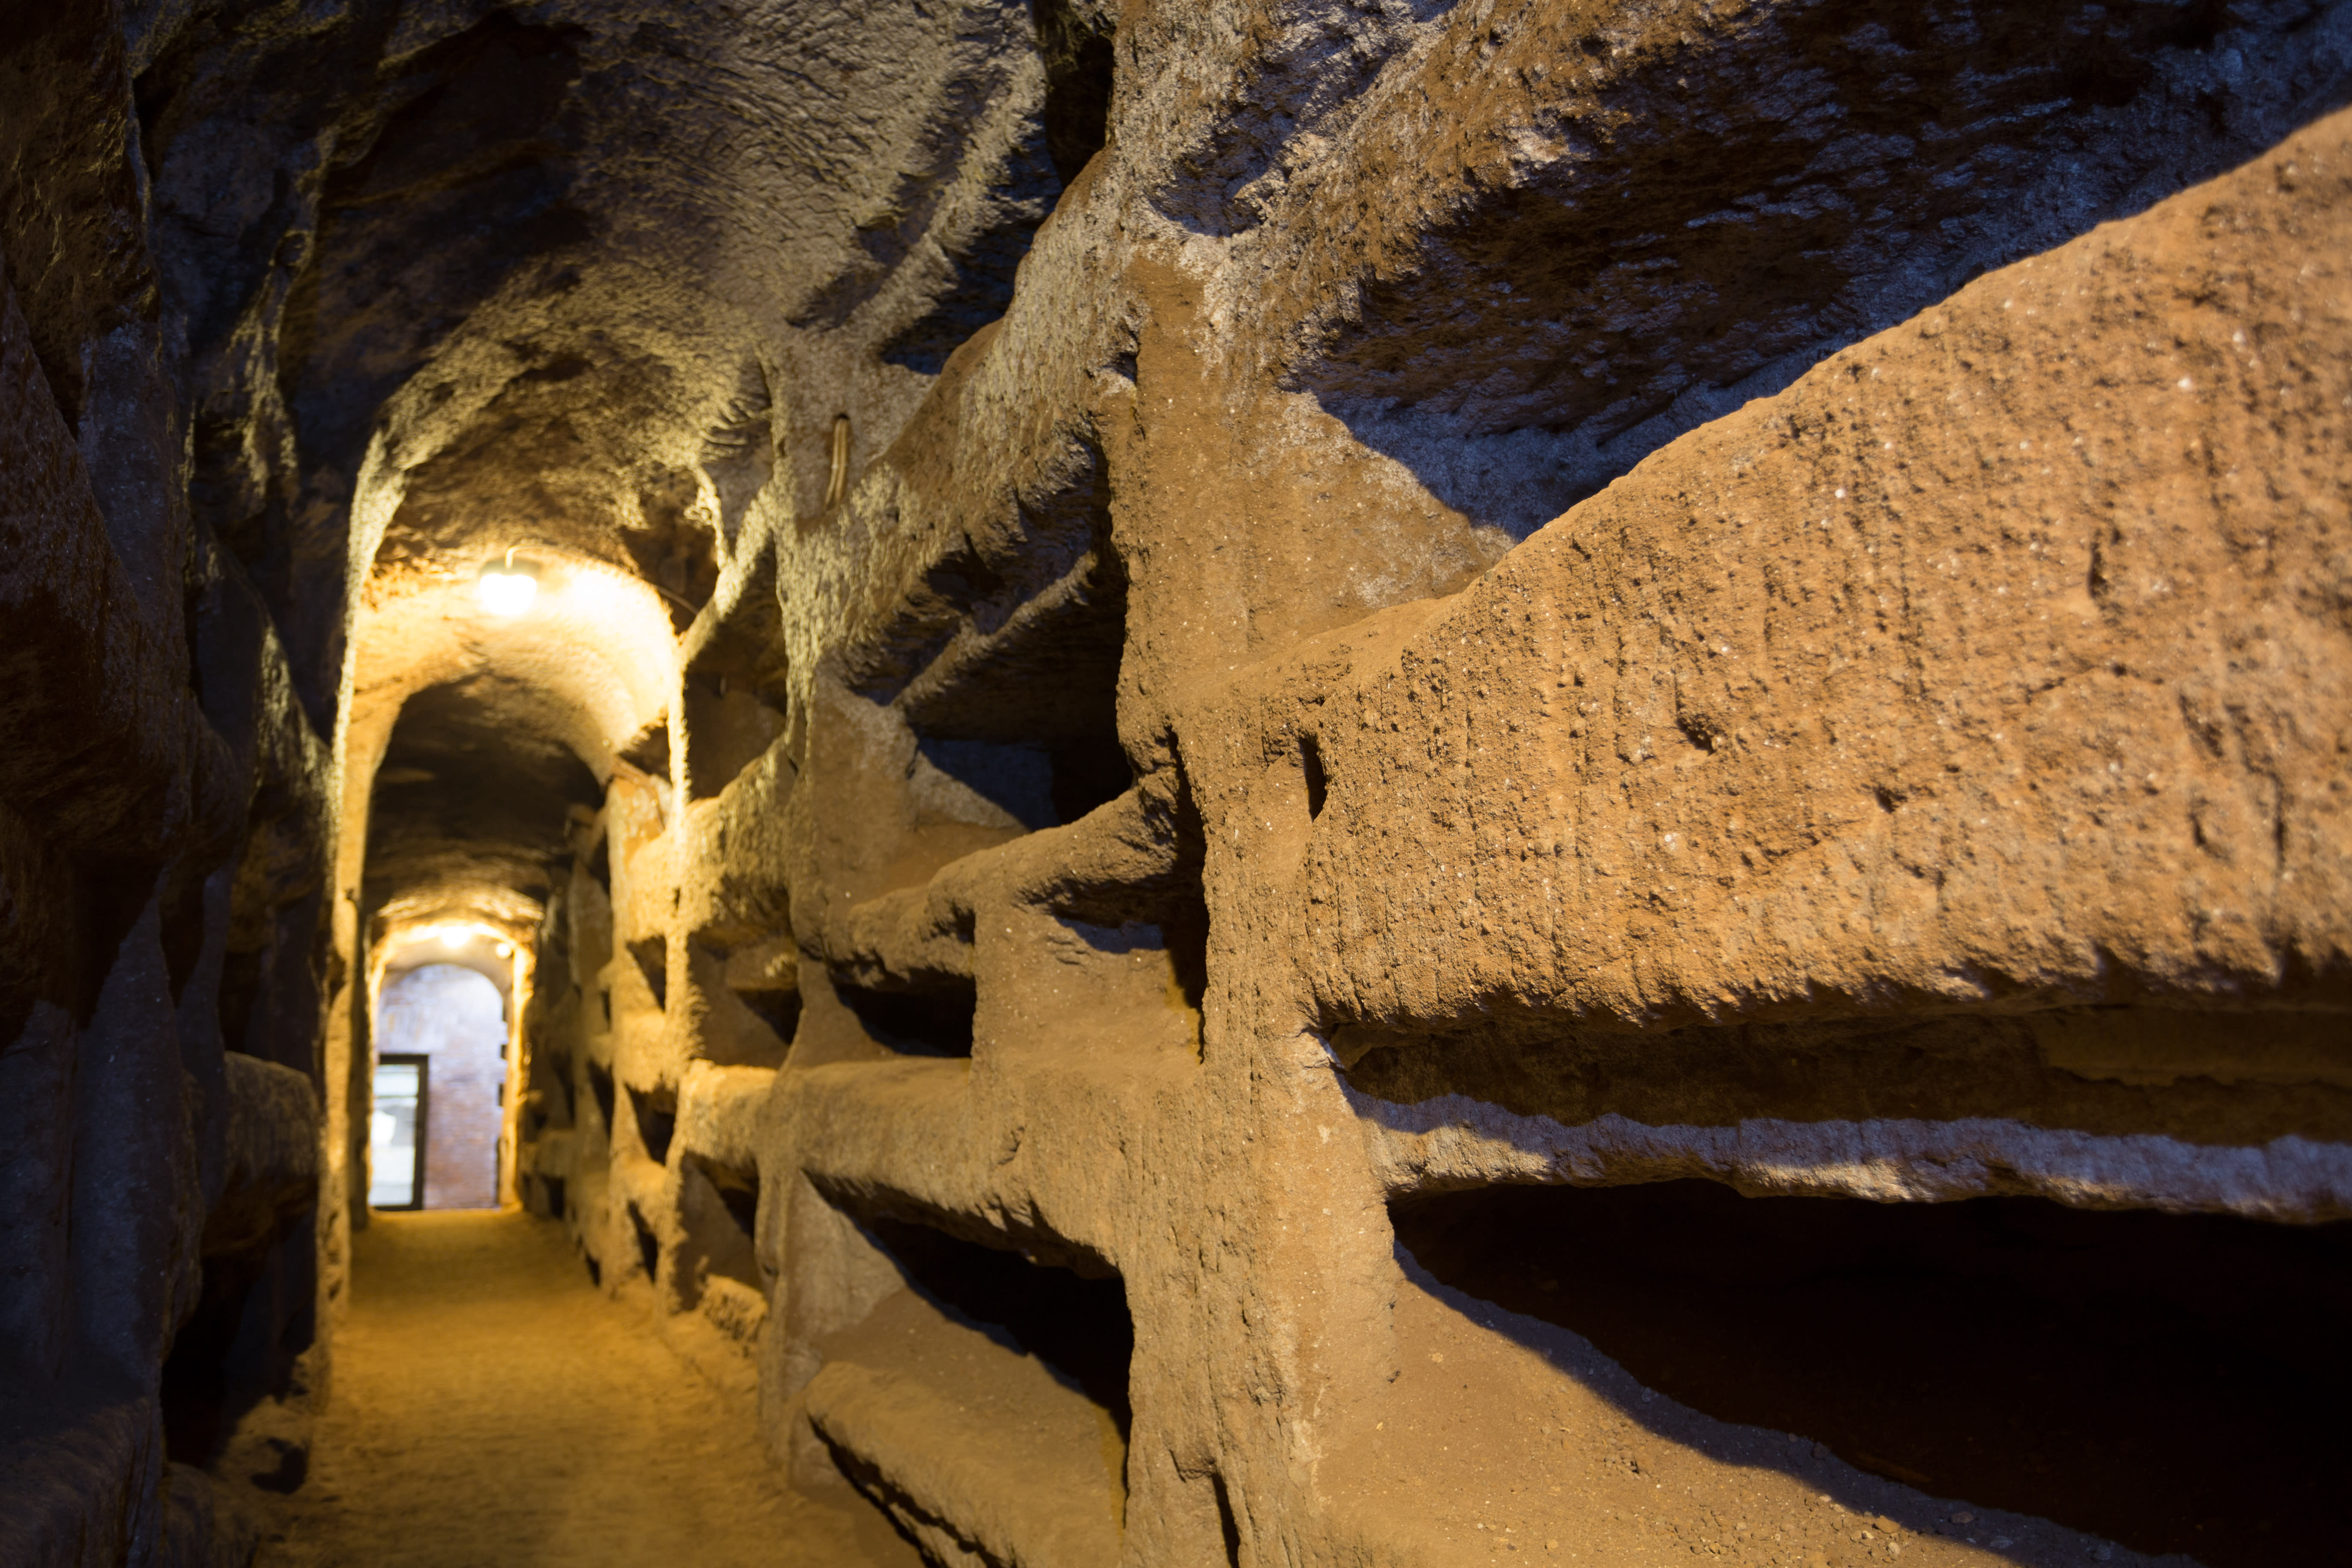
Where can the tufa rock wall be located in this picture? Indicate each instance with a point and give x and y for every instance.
(163, 801)
(1295, 782)
(1912, 771)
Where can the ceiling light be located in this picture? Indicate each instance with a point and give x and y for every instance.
(453, 936)
(508, 588)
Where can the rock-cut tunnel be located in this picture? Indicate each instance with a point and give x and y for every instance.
(1042, 784)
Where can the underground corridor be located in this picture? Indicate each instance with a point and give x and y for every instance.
(1054, 784)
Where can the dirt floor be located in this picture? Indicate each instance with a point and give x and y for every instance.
(491, 1406)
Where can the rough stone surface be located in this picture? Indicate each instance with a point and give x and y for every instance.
(163, 835)
(1229, 707)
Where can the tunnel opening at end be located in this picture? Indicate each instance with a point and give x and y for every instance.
(439, 1089)
(1078, 1327)
(2172, 1381)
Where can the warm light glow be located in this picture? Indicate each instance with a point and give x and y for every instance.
(457, 934)
(506, 593)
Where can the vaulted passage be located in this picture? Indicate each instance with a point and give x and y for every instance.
(1033, 784)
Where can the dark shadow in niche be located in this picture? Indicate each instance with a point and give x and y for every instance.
(1076, 1326)
(1018, 780)
(778, 1009)
(657, 1115)
(728, 727)
(1036, 786)
(648, 1245)
(600, 1087)
(982, 264)
(735, 688)
(1074, 40)
(1311, 767)
(935, 1023)
(550, 1102)
(652, 955)
(546, 1195)
(1088, 771)
(2173, 1382)
(1021, 704)
(255, 1315)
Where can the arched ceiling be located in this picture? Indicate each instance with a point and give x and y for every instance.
(475, 740)
(593, 277)
(590, 280)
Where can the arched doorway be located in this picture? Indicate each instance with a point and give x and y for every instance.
(441, 1068)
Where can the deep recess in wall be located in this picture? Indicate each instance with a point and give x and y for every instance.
(762, 976)
(652, 956)
(2169, 1381)
(1078, 1326)
(729, 728)
(719, 1205)
(255, 1316)
(1026, 716)
(655, 1111)
(1076, 40)
(600, 1087)
(935, 1022)
(1952, 1065)
(778, 1007)
(648, 1245)
(735, 690)
(549, 1106)
(982, 264)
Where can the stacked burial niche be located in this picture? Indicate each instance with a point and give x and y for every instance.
(1679, 919)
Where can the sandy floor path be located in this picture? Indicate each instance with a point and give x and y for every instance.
(491, 1406)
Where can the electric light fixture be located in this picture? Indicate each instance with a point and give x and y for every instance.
(508, 588)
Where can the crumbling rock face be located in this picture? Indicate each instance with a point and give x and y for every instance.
(1198, 678)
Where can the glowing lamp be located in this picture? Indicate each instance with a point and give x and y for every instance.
(507, 587)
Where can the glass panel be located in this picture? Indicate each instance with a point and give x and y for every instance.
(392, 1135)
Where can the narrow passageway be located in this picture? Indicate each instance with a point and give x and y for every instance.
(491, 1407)
(1175, 784)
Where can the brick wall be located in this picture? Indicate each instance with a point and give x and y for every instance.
(457, 1020)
